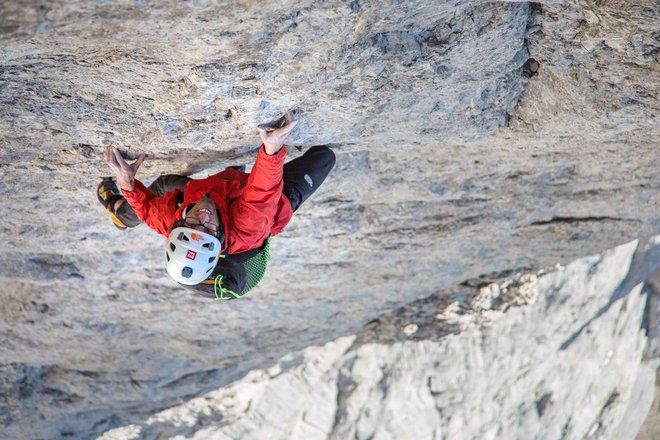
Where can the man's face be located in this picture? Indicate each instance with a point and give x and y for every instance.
(203, 216)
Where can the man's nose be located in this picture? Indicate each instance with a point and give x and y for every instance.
(204, 217)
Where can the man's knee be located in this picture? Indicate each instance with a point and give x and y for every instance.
(324, 155)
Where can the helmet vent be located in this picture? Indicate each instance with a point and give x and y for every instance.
(186, 272)
(167, 255)
(208, 246)
(211, 259)
(172, 246)
(183, 237)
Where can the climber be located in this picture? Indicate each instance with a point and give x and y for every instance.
(218, 229)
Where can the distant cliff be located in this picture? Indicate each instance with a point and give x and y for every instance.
(556, 355)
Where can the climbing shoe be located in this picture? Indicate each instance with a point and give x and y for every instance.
(108, 193)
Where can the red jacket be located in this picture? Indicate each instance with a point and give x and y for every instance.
(251, 206)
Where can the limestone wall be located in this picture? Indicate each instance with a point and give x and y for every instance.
(472, 138)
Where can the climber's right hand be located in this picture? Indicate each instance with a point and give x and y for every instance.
(273, 140)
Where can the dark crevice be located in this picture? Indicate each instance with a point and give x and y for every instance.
(543, 403)
(651, 315)
(561, 219)
(611, 399)
(566, 429)
(345, 387)
(195, 377)
(495, 277)
(530, 66)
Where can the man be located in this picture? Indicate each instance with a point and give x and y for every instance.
(219, 228)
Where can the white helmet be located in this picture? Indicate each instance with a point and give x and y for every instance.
(191, 255)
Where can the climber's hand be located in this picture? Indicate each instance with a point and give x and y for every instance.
(273, 140)
(124, 172)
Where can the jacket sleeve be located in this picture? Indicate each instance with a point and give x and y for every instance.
(253, 213)
(156, 212)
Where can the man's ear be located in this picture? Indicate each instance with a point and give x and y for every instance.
(175, 225)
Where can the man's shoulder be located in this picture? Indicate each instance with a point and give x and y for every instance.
(233, 174)
(229, 174)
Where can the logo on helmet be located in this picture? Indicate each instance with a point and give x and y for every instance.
(191, 255)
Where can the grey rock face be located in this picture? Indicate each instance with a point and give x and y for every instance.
(472, 138)
(492, 363)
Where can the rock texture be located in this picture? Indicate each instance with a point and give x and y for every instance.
(472, 138)
(474, 363)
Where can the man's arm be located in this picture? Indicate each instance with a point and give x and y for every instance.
(252, 215)
(156, 212)
(273, 140)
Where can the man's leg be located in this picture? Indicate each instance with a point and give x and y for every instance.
(160, 186)
(303, 176)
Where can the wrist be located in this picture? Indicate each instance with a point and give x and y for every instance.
(270, 150)
(126, 185)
